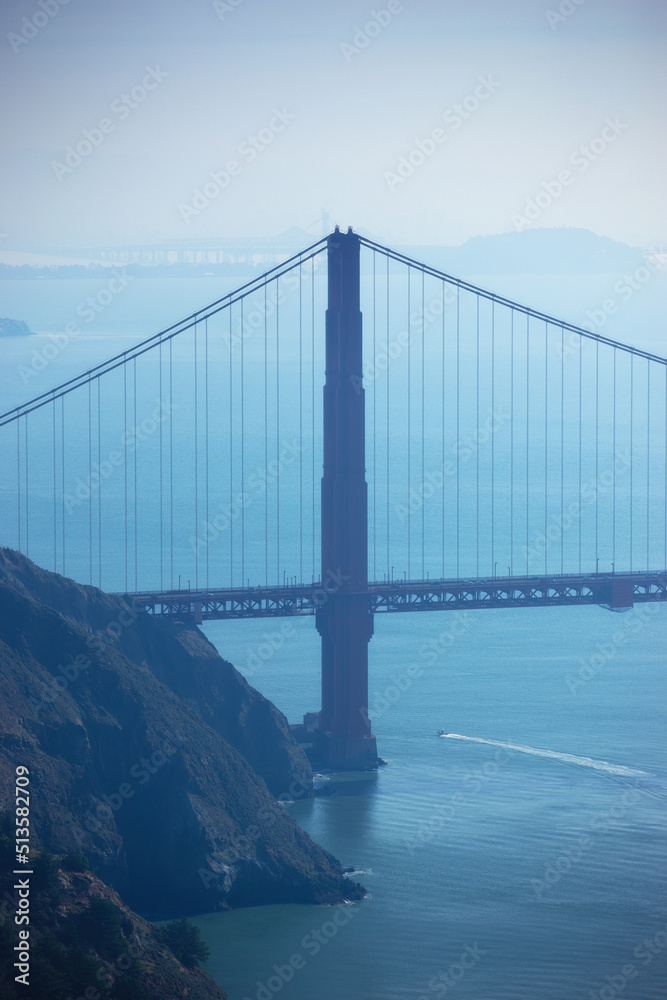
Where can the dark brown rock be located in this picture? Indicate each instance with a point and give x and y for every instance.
(130, 764)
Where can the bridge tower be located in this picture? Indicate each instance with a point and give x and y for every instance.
(344, 621)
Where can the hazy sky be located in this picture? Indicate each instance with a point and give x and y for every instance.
(314, 114)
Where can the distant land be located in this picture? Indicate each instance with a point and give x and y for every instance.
(14, 328)
(559, 250)
(534, 251)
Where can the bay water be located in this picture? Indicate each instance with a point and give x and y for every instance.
(521, 856)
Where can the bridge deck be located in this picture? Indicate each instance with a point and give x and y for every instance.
(616, 592)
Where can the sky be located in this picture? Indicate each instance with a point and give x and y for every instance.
(416, 121)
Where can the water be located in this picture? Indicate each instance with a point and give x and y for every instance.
(536, 835)
(523, 856)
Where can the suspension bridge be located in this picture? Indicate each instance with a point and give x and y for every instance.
(470, 452)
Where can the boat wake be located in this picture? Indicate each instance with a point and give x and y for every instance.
(567, 758)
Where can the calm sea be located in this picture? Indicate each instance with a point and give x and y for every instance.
(523, 856)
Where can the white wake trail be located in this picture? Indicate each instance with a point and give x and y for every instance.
(568, 758)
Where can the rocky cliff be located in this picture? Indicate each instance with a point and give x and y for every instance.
(150, 754)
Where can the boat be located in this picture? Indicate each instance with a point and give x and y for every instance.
(441, 732)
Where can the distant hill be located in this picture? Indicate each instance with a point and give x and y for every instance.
(533, 251)
(14, 328)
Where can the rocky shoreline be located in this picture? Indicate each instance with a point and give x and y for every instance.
(150, 755)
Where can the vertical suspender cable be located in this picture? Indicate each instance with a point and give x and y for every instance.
(423, 490)
(374, 418)
(18, 482)
(312, 395)
(206, 442)
(125, 462)
(409, 423)
(562, 450)
(62, 459)
(632, 447)
(266, 440)
(55, 531)
(90, 476)
(136, 491)
(27, 497)
(387, 451)
(278, 429)
(546, 447)
(511, 441)
(243, 579)
(527, 444)
(300, 425)
(493, 425)
(160, 471)
(99, 492)
(374, 421)
(458, 431)
(62, 442)
(443, 429)
(613, 471)
(196, 431)
(231, 454)
(477, 440)
(648, 459)
(581, 363)
(597, 449)
(171, 469)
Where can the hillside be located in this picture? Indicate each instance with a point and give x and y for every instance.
(141, 743)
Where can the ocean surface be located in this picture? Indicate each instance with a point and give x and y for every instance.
(535, 838)
(522, 855)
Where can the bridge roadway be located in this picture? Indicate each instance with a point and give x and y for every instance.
(617, 592)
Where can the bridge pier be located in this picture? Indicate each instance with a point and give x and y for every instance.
(344, 739)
